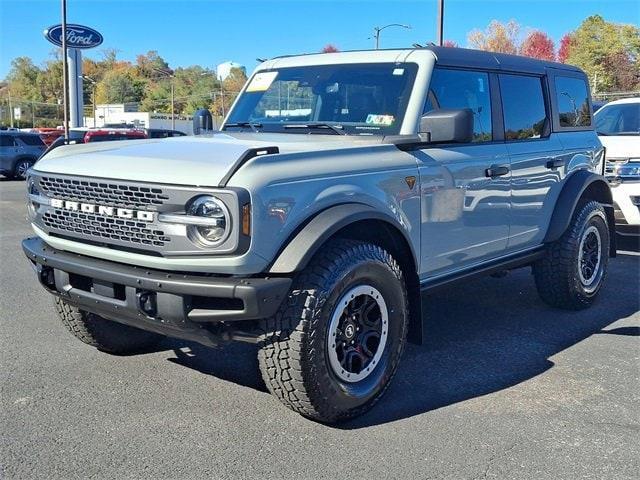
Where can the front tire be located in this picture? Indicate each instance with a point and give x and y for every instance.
(105, 335)
(331, 350)
(575, 266)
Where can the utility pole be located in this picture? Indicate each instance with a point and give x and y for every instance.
(10, 110)
(440, 22)
(173, 109)
(65, 75)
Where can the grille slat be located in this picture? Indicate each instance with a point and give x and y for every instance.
(107, 228)
(108, 194)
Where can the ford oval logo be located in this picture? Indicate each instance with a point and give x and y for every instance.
(78, 36)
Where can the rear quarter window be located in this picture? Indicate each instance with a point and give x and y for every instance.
(32, 140)
(572, 98)
(6, 141)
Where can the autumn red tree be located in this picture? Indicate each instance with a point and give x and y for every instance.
(538, 45)
(329, 48)
(565, 46)
(450, 44)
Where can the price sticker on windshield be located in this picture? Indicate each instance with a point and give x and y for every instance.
(382, 120)
(261, 81)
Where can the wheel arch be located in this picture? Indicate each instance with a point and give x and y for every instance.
(579, 187)
(356, 222)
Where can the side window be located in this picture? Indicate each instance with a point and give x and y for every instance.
(523, 107)
(6, 141)
(31, 140)
(573, 102)
(463, 89)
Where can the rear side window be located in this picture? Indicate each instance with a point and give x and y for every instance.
(31, 140)
(523, 107)
(463, 89)
(6, 141)
(573, 102)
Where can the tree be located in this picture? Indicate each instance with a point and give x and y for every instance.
(565, 46)
(450, 44)
(148, 64)
(497, 37)
(23, 78)
(538, 45)
(596, 45)
(120, 87)
(329, 48)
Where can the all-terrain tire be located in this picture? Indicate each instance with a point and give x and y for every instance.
(294, 356)
(558, 276)
(105, 335)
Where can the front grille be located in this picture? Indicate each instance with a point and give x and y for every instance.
(132, 231)
(103, 193)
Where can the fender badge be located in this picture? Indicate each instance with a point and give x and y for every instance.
(411, 181)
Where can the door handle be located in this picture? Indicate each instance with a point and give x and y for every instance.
(496, 171)
(555, 163)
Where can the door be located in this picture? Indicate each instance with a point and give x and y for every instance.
(8, 151)
(537, 157)
(465, 188)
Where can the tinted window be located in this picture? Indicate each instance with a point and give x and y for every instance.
(620, 119)
(523, 107)
(6, 141)
(463, 89)
(32, 140)
(573, 102)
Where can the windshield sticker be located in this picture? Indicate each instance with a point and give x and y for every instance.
(385, 120)
(398, 71)
(261, 81)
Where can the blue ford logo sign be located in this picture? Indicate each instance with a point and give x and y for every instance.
(78, 36)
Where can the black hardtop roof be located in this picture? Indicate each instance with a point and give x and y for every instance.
(466, 57)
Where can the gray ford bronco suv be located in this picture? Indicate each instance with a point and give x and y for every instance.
(340, 187)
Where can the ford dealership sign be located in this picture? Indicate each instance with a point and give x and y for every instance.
(78, 36)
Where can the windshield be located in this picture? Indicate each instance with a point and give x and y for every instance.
(356, 99)
(621, 119)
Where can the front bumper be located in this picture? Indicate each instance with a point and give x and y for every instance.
(193, 307)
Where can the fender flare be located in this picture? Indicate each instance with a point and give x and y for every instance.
(573, 190)
(306, 242)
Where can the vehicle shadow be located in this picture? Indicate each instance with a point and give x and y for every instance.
(483, 336)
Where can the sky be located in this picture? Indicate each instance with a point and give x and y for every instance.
(209, 32)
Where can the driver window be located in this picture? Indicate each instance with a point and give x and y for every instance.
(463, 89)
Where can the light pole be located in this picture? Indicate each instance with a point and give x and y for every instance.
(440, 22)
(170, 75)
(93, 95)
(377, 30)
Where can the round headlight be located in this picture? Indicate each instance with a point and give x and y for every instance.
(216, 222)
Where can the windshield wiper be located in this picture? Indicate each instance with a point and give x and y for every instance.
(338, 129)
(253, 126)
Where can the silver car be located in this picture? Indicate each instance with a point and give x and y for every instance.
(340, 188)
(18, 152)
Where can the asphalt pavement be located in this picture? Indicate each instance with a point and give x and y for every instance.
(505, 387)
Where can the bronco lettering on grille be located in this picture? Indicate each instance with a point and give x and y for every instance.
(103, 210)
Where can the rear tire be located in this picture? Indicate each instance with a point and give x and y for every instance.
(333, 347)
(571, 274)
(105, 335)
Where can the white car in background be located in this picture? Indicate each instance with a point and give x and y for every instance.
(618, 126)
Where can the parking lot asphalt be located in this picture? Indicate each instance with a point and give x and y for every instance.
(505, 387)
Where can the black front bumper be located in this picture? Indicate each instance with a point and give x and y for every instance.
(186, 306)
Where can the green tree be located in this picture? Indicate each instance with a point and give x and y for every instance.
(597, 45)
(120, 87)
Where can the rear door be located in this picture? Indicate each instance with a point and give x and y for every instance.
(537, 156)
(465, 210)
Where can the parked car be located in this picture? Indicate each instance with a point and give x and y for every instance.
(598, 104)
(618, 126)
(88, 135)
(312, 227)
(18, 152)
(163, 133)
(49, 135)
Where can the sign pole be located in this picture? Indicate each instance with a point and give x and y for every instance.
(65, 73)
(440, 22)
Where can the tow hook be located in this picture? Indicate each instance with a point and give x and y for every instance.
(147, 303)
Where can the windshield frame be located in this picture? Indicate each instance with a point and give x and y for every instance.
(413, 72)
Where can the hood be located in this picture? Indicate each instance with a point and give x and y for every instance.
(199, 161)
(621, 146)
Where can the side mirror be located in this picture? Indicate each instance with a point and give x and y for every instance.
(448, 125)
(202, 121)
